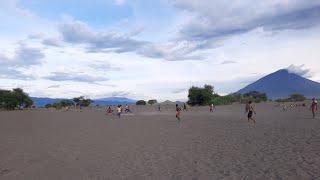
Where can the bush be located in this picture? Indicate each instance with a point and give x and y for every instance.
(152, 101)
(141, 102)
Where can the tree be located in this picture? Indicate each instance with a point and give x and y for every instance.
(48, 106)
(152, 101)
(141, 102)
(200, 96)
(66, 103)
(255, 96)
(297, 97)
(81, 101)
(16, 98)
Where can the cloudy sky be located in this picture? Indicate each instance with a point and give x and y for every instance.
(153, 49)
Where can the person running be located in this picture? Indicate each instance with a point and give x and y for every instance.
(185, 107)
(250, 110)
(119, 110)
(314, 107)
(178, 112)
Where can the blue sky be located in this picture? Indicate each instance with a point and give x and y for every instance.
(153, 49)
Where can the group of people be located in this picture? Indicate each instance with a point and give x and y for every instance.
(249, 109)
(119, 110)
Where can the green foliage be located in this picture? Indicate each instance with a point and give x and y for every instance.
(254, 96)
(81, 101)
(200, 96)
(297, 97)
(66, 103)
(16, 98)
(223, 100)
(152, 101)
(141, 102)
(48, 106)
(293, 98)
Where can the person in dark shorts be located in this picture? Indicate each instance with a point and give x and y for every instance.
(178, 112)
(250, 110)
(314, 107)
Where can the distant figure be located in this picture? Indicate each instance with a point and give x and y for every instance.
(127, 109)
(159, 107)
(119, 110)
(250, 110)
(178, 111)
(211, 107)
(185, 107)
(314, 107)
(109, 110)
(284, 107)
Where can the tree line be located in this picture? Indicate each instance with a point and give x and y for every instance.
(205, 95)
(78, 102)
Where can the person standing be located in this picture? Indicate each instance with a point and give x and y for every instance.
(119, 110)
(159, 107)
(211, 107)
(185, 107)
(314, 107)
(250, 110)
(178, 112)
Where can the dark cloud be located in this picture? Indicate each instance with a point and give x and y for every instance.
(77, 77)
(215, 19)
(51, 42)
(23, 57)
(77, 32)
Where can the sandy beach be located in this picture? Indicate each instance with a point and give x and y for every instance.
(147, 144)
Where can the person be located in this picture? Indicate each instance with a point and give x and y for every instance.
(178, 111)
(109, 110)
(211, 107)
(119, 110)
(185, 107)
(127, 109)
(159, 107)
(314, 107)
(250, 110)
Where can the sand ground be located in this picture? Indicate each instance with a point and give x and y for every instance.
(49, 144)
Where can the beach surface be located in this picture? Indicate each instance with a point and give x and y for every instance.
(147, 144)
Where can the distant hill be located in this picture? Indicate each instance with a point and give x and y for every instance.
(113, 101)
(40, 102)
(282, 83)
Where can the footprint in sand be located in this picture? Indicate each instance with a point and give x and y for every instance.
(4, 171)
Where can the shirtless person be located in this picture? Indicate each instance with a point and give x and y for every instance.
(314, 107)
(250, 111)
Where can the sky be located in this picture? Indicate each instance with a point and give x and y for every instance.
(144, 49)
